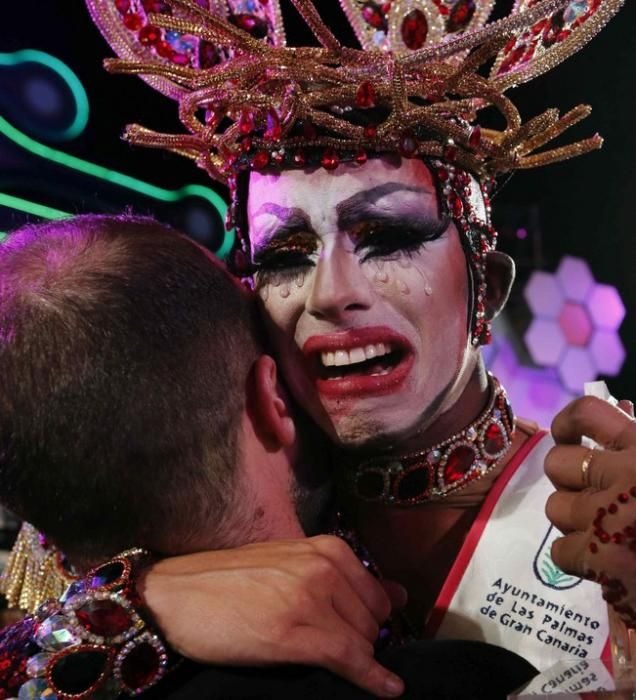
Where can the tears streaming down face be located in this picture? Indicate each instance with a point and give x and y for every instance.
(364, 288)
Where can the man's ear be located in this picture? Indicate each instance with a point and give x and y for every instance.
(268, 406)
(500, 274)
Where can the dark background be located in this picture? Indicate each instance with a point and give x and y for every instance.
(581, 207)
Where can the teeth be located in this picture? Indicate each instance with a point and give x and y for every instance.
(342, 358)
(355, 355)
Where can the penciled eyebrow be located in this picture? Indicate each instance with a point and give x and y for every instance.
(361, 206)
(292, 221)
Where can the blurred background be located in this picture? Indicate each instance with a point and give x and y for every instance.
(570, 227)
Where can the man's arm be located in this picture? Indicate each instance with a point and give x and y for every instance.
(308, 602)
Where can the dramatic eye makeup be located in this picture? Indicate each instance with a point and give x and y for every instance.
(394, 236)
(391, 219)
(388, 221)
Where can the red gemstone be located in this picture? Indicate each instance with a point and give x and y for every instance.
(260, 160)
(494, 440)
(141, 666)
(385, 8)
(623, 497)
(330, 159)
(457, 206)
(370, 131)
(105, 618)
(442, 174)
(361, 157)
(460, 15)
(164, 49)
(300, 158)
(122, 6)
(612, 508)
(309, 131)
(414, 30)
(133, 21)
(251, 24)
(373, 15)
(365, 97)
(593, 547)
(475, 137)
(149, 35)
(459, 462)
(278, 158)
(408, 145)
(246, 144)
(246, 122)
(273, 131)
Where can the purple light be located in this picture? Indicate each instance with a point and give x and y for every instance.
(575, 323)
(543, 294)
(576, 368)
(535, 393)
(545, 341)
(522, 234)
(575, 278)
(606, 307)
(607, 352)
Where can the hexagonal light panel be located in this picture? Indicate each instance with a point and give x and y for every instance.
(606, 307)
(575, 323)
(576, 368)
(546, 341)
(575, 278)
(543, 294)
(607, 352)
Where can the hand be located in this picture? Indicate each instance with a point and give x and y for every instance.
(596, 507)
(306, 601)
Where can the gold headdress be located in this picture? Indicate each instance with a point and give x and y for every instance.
(248, 101)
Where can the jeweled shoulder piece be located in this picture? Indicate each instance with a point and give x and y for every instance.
(416, 87)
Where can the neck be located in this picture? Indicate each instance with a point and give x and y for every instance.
(457, 409)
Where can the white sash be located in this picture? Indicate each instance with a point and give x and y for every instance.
(505, 589)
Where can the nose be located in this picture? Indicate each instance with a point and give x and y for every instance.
(339, 286)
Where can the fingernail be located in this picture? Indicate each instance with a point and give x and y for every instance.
(393, 686)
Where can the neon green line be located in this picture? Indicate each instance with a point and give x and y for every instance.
(92, 169)
(24, 205)
(69, 77)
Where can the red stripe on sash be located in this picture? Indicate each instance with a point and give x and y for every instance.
(458, 569)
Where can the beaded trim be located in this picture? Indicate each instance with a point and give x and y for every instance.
(442, 469)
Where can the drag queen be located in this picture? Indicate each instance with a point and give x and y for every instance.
(360, 185)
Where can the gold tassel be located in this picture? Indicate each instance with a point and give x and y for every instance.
(34, 572)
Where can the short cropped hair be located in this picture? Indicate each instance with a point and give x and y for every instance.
(124, 356)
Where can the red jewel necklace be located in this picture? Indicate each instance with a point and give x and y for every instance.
(440, 470)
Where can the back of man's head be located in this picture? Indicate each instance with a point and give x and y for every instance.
(124, 355)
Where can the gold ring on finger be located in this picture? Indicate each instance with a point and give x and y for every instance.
(585, 466)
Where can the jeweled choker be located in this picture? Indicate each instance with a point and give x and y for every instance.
(442, 469)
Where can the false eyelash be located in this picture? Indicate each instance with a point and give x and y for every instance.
(397, 241)
(283, 264)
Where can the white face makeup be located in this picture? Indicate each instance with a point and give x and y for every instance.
(365, 292)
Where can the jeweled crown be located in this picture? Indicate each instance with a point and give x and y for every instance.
(416, 86)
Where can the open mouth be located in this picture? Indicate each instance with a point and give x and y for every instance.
(373, 360)
(359, 361)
